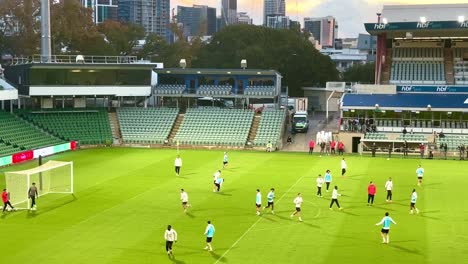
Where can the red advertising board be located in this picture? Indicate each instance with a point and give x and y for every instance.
(23, 156)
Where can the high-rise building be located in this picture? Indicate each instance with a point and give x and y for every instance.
(273, 8)
(278, 22)
(198, 20)
(244, 18)
(323, 29)
(229, 12)
(102, 9)
(152, 15)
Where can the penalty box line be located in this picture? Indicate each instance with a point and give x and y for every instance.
(256, 222)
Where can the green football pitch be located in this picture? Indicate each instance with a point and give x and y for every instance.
(125, 198)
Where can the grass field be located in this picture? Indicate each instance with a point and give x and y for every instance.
(125, 198)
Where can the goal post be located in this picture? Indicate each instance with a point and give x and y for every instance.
(51, 177)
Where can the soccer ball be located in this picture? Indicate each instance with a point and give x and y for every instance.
(9, 209)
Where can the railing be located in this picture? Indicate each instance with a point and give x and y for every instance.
(77, 59)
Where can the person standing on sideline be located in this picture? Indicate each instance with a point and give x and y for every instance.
(405, 149)
(320, 182)
(389, 188)
(269, 147)
(270, 199)
(177, 165)
(333, 146)
(184, 199)
(322, 148)
(170, 236)
(33, 194)
(340, 148)
(420, 174)
(373, 149)
(225, 160)
(421, 150)
(216, 175)
(371, 190)
(389, 151)
(258, 201)
(385, 228)
(298, 202)
(343, 167)
(414, 197)
(6, 200)
(311, 146)
(335, 195)
(209, 232)
(328, 179)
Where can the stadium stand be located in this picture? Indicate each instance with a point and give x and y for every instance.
(376, 136)
(169, 89)
(215, 126)
(453, 141)
(460, 66)
(214, 89)
(260, 90)
(146, 125)
(269, 129)
(85, 126)
(17, 135)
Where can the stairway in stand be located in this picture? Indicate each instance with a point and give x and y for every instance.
(175, 128)
(254, 127)
(115, 127)
(448, 64)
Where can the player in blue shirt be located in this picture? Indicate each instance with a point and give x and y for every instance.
(420, 174)
(209, 232)
(225, 160)
(258, 201)
(270, 199)
(385, 222)
(328, 178)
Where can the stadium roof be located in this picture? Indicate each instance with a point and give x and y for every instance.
(192, 71)
(7, 91)
(403, 101)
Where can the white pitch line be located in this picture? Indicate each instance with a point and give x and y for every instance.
(256, 222)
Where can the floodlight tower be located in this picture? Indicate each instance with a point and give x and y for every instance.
(45, 31)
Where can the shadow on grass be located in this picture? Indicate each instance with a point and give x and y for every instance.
(218, 257)
(45, 210)
(173, 259)
(224, 193)
(407, 250)
(190, 215)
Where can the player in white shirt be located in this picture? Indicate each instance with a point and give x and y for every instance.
(343, 167)
(420, 174)
(298, 202)
(216, 175)
(414, 197)
(320, 182)
(184, 199)
(177, 165)
(335, 195)
(389, 188)
(258, 201)
(170, 236)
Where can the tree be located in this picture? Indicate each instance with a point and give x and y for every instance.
(121, 38)
(155, 48)
(287, 51)
(362, 73)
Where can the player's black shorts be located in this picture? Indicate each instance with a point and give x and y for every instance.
(184, 203)
(420, 178)
(412, 204)
(217, 185)
(258, 205)
(343, 171)
(298, 209)
(385, 231)
(270, 203)
(208, 239)
(225, 162)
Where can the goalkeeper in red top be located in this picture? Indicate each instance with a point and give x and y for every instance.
(6, 200)
(32, 194)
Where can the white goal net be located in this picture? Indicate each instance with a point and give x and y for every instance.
(51, 177)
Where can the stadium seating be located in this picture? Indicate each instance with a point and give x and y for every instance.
(418, 54)
(453, 141)
(269, 129)
(214, 89)
(376, 136)
(260, 90)
(169, 89)
(146, 125)
(17, 135)
(85, 126)
(412, 137)
(215, 126)
(461, 72)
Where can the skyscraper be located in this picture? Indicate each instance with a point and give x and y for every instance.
(102, 9)
(197, 20)
(229, 12)
(323, 29)
(244, 18)
(273, 8)
(152, 15)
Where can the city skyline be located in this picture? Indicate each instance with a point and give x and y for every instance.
(350, 23)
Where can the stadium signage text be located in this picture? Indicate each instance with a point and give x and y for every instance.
(432, 89)
(379, 26)
(464, 24)
(33, 154)
(423, 25)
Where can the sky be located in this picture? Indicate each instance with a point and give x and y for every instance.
(350, 14)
